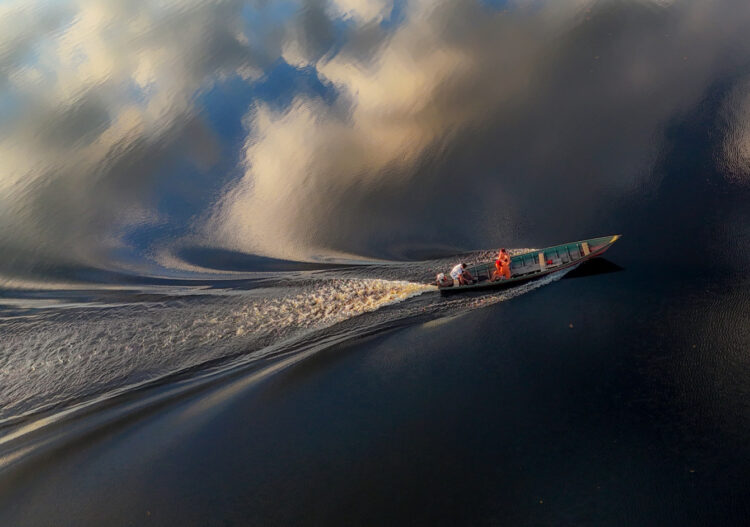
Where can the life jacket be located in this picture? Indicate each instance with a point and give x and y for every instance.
(503, 264)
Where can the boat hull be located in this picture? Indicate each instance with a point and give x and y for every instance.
(533, 265)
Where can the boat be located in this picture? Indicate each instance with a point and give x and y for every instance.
(534, 264)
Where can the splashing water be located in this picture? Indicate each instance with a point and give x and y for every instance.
(61, 354)
(56, 354)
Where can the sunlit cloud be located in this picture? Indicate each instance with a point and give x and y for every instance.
(363, 11)
(455, 121)
(464, 103)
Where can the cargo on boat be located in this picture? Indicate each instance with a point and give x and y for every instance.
(534, 264)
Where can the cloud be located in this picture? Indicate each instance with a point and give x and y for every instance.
(309, 35)
(362, 11)
(452, 122)
(97, 98)
(474, 124)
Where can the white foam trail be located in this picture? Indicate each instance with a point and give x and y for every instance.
(286, 321)
(63, 354)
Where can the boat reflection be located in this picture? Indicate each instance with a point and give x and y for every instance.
(594, 267)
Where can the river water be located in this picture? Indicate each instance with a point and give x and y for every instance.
(219, 221)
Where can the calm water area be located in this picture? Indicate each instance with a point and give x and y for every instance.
(219, 224)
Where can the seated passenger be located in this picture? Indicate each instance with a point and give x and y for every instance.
(443, 281)
(460, 275)
(502, 266)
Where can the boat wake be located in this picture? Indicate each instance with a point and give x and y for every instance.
(64, 352)
(60, 360)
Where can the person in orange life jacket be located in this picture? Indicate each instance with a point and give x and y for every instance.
(502, 266)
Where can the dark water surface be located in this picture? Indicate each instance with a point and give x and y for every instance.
(218, 221)
(637, 414)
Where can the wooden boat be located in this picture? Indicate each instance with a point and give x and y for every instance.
(534, 264)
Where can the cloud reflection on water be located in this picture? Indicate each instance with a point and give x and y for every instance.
(465, 116)
(454, 120)
(99, 100)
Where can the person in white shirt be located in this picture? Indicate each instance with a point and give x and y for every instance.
(460, 274)
(443, 281)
